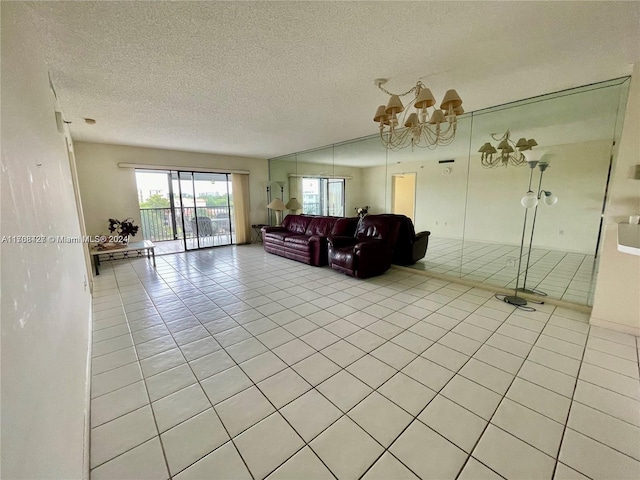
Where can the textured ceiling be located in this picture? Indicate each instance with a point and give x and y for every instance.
(264, 79)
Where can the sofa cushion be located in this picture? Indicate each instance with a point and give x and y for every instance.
(278, 236)
(296, 224)
(320, 226)
(302, 240)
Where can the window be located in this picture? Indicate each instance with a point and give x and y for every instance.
(323, 196)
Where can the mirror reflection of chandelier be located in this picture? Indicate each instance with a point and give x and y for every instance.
(418, 128)
(507, 152)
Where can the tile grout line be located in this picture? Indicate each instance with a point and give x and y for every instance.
(566, 423)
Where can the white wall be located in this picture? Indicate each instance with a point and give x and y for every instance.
(45, 304)
(109, 191)
(617, 297)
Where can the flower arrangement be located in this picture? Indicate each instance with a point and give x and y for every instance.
(362, 211)
(124, 228)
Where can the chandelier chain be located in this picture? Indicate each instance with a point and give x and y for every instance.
(413, 89)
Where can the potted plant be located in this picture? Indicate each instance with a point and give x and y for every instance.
(124, 228)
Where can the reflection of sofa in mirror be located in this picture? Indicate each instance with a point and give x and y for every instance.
(410, 246)
(474, 213)
(379, 241)
(304, 237)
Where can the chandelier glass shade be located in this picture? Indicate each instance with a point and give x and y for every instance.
(400, 127)
(507, 152)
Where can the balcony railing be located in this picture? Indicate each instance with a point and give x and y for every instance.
(158, 223)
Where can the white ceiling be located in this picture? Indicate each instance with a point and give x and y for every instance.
(264, 79)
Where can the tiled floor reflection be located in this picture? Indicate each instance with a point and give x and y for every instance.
(561, 275)
(233, 363)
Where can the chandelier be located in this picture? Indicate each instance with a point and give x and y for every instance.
(418, 128)
(507, 152)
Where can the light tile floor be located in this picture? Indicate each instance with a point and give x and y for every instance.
(233, 363)
(562, 275)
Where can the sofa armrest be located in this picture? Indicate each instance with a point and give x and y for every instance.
(372, 247)
(318, 240)
(341, 241)
(419, 247)
(372, 257)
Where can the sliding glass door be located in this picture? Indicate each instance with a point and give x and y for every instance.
(192, 209)
(203, 203)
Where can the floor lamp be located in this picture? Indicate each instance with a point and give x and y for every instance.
(548, 199)
(515, 299)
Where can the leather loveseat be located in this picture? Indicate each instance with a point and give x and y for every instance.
(304, 237)
(379, 241)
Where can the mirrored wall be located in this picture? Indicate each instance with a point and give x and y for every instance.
(477, 222)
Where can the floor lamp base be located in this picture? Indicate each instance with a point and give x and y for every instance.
(513, 300)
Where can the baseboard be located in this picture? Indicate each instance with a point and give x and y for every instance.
(86, 469)
(618, 327)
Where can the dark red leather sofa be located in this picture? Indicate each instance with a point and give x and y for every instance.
(304, 237)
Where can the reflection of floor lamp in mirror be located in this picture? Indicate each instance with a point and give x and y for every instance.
(268, 202)
(515, 299)
(548, 199)
(278, 206)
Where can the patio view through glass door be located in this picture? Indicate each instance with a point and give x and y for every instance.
(203, 207)
(186, 210)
